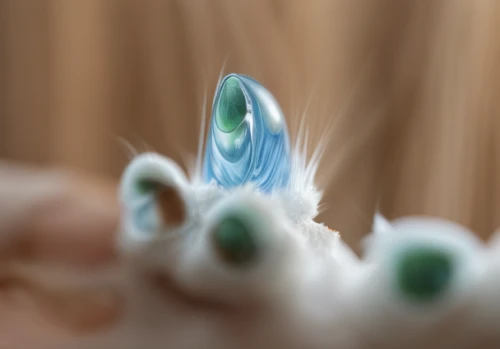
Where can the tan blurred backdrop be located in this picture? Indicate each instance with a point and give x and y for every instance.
(410, 87)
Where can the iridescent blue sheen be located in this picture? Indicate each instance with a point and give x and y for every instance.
(252, 147)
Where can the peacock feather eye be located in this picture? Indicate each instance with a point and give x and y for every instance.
(161, 206)
(248, 139)
(424, 274)
(235, 242)
(146, 186)
(232, 106)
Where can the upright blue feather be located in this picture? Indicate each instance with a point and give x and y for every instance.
(248, 137)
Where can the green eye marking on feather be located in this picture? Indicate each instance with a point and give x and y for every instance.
(235, 243)
(424, 274)
(146, 186)
(231, 107)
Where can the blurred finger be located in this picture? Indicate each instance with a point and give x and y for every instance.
(47, 214)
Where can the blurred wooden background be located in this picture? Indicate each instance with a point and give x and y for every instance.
(411, 88)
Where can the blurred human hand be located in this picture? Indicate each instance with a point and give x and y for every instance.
(48, 217)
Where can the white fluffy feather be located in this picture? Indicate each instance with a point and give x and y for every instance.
(308, 289)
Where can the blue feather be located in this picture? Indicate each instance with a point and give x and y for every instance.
(248, 138)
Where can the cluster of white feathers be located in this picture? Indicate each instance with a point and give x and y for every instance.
(306, 289)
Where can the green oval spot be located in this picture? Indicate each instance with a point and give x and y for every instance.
(234, 242)
(231, 106)
(146, 186)
(424, 274)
